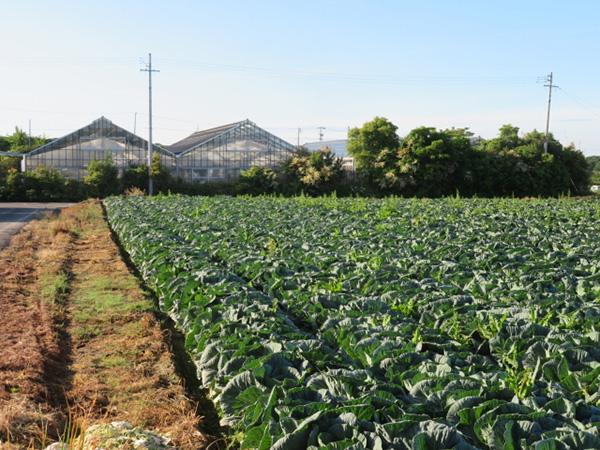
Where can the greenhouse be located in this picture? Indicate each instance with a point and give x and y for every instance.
(72, 153)
(221, 153)
(215, 154)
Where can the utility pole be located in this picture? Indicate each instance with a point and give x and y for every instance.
(321, 133)
(299, 130)
(549, 86)
(149, 70)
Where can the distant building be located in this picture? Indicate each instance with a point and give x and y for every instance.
(71, 154)
(223, 152)
(219, 153)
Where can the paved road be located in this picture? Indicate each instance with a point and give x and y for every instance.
(13, 216)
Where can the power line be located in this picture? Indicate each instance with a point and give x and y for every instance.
(266, 71)
(77, 61)
(593, 108)
(349, 77)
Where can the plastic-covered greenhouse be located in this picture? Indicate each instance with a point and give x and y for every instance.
(72, 153)
(219, 153)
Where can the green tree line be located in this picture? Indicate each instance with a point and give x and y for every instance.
(426, 163)
(435, 163)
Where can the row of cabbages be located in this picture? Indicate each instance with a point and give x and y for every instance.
(296, 367)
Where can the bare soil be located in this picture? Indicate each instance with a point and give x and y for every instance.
(81, 341)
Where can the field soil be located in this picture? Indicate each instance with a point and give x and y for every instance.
(82, 343)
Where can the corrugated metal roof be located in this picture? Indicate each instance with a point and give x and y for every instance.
(200, 137)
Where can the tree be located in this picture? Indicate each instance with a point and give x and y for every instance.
(18, 142)
(518, 166)
(373, 148)
(579, 173)
(4, 144)
(593, 163)
(102, 178)
(41, 184)
(314, 173)
(508, 139)
(8, 163)
(594, 167)
(257, 181)
(161, 176)
(21, 142)
(433, 163)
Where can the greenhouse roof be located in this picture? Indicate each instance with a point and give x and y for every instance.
(201, 137)
(98, 130)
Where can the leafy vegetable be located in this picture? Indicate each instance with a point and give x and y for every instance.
(353, 323)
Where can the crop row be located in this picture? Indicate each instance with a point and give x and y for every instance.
(381, 324)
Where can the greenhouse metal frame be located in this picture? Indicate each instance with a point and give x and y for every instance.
(216, 154)
(71, 154)
(223, 152)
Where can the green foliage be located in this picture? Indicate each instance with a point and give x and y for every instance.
(435, 163)
(135, 176)
(432, 163)
(21, 142)
(373, 147)
(593, 163)
(18, 142)
(594, 168)
(102, 178)
(513, 165)
(427, 163)
(41, 184)
(257, 181)
(396, 323)
(508, 139)
(8, 164)
(316, 173)
(161, 176)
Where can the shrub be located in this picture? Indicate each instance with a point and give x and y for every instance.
(102, 178)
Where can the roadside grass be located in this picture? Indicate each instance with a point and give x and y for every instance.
(34, 282)
(120, 366)
(55, 287)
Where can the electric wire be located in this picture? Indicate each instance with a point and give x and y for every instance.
(586, 104)
(348, 77)
(272, 72)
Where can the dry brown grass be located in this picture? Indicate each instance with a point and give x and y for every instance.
(81, 343)
(134, 191)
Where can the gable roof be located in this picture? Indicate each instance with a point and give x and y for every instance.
(201, 137)
(99, 128)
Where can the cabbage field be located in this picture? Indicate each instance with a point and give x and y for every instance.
(382, 324)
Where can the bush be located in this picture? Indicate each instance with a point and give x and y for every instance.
(136, 176)
(42, 185)
(257, 181)
(162, 179)
(102, 178)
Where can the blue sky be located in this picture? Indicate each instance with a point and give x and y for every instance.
(302, 64)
